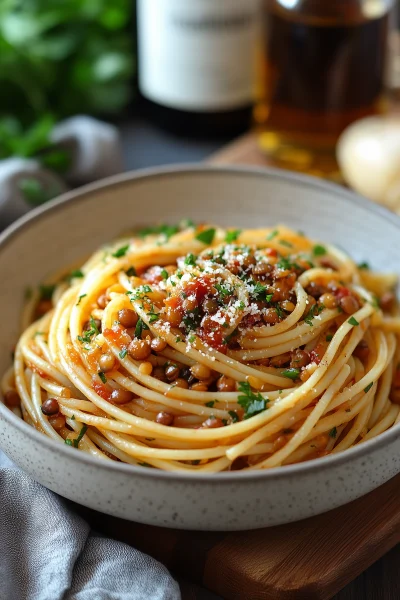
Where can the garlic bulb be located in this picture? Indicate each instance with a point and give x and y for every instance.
(368, 153)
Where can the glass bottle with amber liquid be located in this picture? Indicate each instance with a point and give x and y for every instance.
(323, 67)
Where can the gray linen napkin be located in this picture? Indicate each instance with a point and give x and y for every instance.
(47, 552)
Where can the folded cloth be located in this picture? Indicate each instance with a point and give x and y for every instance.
(47, 552)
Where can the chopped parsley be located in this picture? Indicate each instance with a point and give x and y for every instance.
(363, 266)
(46, 291)
(233, 415)
(102, 376)
(230, 336)
(131, 272)
(89, 333)
(291, 373)
(369, 386)
(314, 311)
(75, 274)
(178, 339)
(284, 263)
(206, 236)
(153, 317)
(191, 320)
(271, 235)
(319, 250)
(232, 236)
(141, 291)
(80, 298)
(253, 403)
(140, 326)
(186, 224)
(75, 442)
(123, 353)
(224, 291)
(329, 337)
(164, 274)
(210, 404)
(286, 243)
(279, 311)
(166, 230)
(333, 432)
(353, 321)
(190, 259)
(121, 251)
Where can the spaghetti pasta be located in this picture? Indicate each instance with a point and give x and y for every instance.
(202, 349)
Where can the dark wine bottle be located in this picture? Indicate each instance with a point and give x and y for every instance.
(197, 63)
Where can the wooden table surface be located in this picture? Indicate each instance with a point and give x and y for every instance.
(144, 145)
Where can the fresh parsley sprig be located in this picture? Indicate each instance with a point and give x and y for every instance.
(252, 402)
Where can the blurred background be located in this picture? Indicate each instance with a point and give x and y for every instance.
(89, 88)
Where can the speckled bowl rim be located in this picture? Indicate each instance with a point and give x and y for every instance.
(314, 465)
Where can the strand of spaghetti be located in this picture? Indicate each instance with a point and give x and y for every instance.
(358, 426)
(292, 319)
(382, 394)
(37, 402)
(386, 348)
(303, 395)
(297, 333)
(388, 420)
(301, 434)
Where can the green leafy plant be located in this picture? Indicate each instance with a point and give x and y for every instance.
(64, 57)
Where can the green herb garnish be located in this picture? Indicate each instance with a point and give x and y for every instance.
(190, 259)
(75, 442)
(314, 311)
(232, 236)
(140, 326)
(333, 432)
(164, 274)
(271, 235)
(253, 403)
(206, 236)
(210, 404)
(121, 251)
(153, 317)
(329, 337)
(363, 266)
(123, 353)
(353, 321)
(131, 272)
(46, 291)
(166, 230)
(369, 386)
(80, 298)
(102, 376)
(75, 274)
(286, 243)
(233, 415)
(291, 373)
(319, 250)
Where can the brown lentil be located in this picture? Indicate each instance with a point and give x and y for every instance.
(226, 384)
(212, 423)
(362, 350)
(349, 304)
(57, 421)
(159, 373)
(270, 317)
(50, 407)
(106, 362)
(121, 396)
(387, 301)
(210, 306)
(173, 316)
(288, 306)
(280, 360)
(300, 358)
(200, 371)
(181, 383)
(199, 387)
(12, 398)
(146, 368)
(315, 290)
(139, 349)
(172, 372)
(127, 317)
(328, 300)
(158, 345)
(102, 301)
(262, 268)
(164, 418)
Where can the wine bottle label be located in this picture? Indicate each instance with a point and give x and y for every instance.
(198, 55)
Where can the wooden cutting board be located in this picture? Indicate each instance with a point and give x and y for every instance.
(307, 560)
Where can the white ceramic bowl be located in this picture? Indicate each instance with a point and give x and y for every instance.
(67, 229)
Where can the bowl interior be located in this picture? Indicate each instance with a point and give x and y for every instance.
(72, 227)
